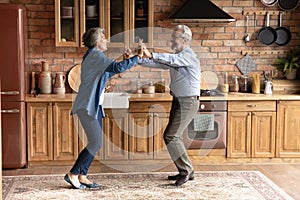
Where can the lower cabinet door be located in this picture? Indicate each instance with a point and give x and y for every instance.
(263, 134)
(65, 136)
(239, 135)
(39, 131)
(115, 134)
(141, 136)
(288, 131)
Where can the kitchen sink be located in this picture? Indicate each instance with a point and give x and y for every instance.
(116, 100)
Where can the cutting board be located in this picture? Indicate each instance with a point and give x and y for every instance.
(284, 86)
(209, 80)
(74, 77)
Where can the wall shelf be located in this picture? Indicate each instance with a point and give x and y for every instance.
(264, 52)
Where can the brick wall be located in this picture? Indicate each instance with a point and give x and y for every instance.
(218, 46)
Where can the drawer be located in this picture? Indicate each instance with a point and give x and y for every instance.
(252, 106)
(153, 106)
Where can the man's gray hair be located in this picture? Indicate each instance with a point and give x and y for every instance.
(186, 32)
(92, 36)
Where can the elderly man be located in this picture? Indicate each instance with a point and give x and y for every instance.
(185, 88)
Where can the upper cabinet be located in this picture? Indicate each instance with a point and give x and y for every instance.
(124, 21)
(66, 23)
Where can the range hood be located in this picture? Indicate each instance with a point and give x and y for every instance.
(200, 11)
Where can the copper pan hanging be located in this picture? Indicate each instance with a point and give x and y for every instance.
(268, 2)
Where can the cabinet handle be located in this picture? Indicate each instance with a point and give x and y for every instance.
(251, 105)
(152, 106)
(249, 114)
(254, 113)
(10, 111)
(10, 93)
(155, 115)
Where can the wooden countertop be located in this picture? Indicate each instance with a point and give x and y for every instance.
(50, 98)
(228, 97)
(168, 97)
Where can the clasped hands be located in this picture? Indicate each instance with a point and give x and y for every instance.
(142, 51)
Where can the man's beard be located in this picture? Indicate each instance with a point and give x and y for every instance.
(175, 49)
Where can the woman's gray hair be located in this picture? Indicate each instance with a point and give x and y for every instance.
(92, 36)
(186, 32)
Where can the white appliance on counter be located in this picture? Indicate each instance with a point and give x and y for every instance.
(12, 76)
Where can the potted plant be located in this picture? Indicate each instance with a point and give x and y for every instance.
(288, 64)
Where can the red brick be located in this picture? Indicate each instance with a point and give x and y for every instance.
(53, 55)
(38, 22)
(63, 61)
(48, 42)
(36, 7)
(212, 43)
(73, 55)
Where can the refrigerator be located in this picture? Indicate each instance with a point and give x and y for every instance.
(12, 76)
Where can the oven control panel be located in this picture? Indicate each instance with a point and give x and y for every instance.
(213, 106)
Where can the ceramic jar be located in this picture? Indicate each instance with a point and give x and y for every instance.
(59, 83)
(45, 79)
(268, 87)
(149, 89)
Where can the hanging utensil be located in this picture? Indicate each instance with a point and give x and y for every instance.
(283, 34)
(268, 2)
(288, 5)
(267, 35)
(247, 37)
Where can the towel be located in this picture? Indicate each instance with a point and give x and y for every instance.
(204, 122)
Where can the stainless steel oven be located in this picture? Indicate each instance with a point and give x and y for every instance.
(211, 133)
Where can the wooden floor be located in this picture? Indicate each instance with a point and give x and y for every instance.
(285, 175)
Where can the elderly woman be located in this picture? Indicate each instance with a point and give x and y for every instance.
(96, 69)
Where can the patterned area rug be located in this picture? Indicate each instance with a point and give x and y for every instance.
(207, 185)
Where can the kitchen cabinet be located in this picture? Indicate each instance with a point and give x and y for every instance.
(288, 126)
(124, 21)
(67, 23)
(251, 129)
(147, 122)
(51, 134)
(115, 132)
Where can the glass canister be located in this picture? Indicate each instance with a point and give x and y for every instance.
(244, 83)
(234, 84)
(224, 87)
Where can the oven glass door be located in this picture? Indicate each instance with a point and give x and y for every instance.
(213, 137)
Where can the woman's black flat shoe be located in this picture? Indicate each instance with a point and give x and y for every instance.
(92, 185)
(67, 178)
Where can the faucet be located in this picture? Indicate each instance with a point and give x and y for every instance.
(108, 88)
